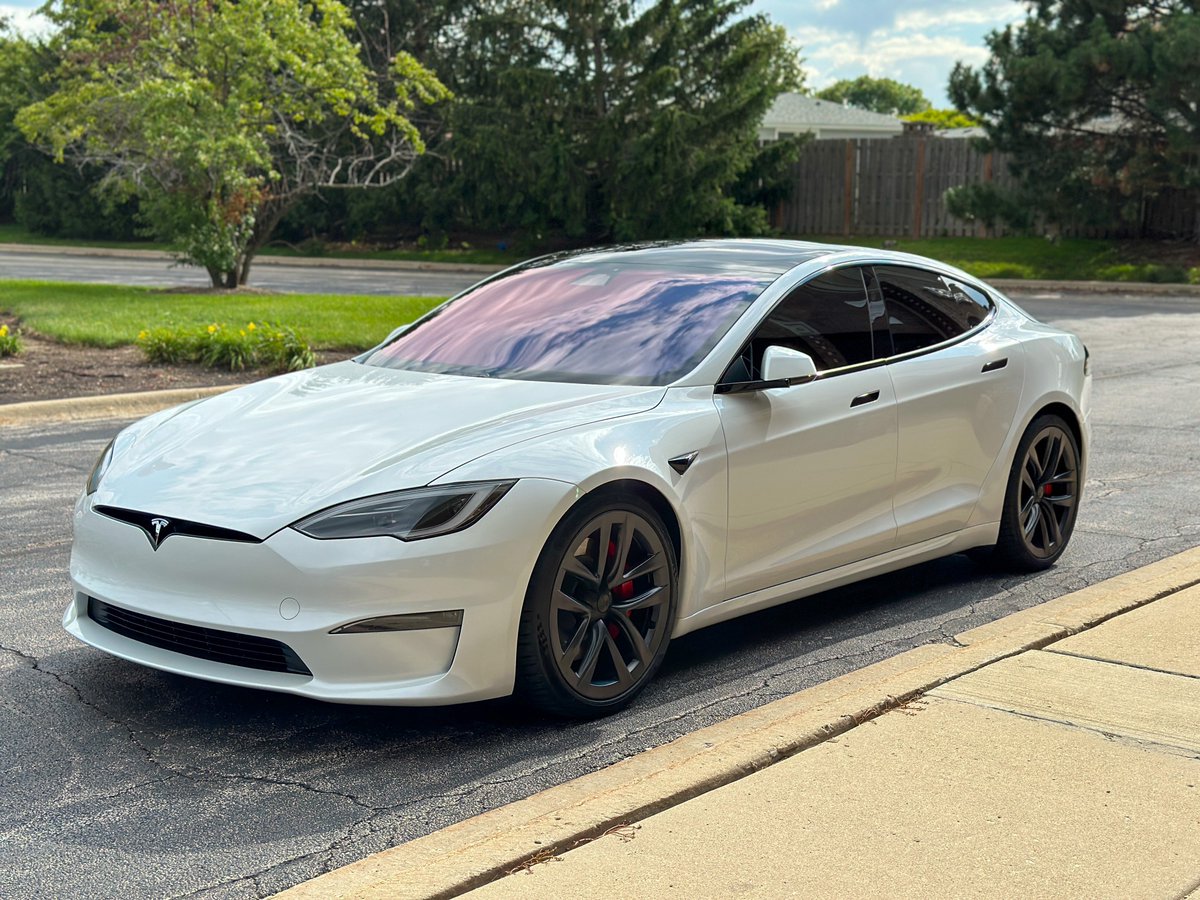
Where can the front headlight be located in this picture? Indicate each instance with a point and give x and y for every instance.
(100, 468)
(408, 515)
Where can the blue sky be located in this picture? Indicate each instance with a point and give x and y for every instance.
(914, 41)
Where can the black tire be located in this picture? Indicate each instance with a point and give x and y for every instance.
(592, 637)
(1042, 499)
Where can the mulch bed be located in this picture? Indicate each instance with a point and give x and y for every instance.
(47, 370)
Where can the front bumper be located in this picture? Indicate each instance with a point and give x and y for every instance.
(295, 590)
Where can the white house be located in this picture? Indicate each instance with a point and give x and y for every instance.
(793, 114)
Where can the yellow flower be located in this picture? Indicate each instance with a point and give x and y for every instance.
(251, 327)
(3, 331)
(212, 329)
(242, 332)
(143, 334)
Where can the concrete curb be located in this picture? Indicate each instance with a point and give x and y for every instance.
(105, 406)
(405, 265)
(485, 848)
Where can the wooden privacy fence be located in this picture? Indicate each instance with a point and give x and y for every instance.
(897, 187)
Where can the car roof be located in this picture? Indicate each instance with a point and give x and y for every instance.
(745, 256)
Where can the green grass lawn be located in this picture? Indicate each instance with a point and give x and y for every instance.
(11, 233)
(111, 316)
(1072, 259)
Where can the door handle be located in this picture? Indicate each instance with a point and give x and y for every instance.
(869, 397)
(995, 364)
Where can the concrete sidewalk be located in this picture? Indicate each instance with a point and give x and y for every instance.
(1054, 752)
(1069, 771)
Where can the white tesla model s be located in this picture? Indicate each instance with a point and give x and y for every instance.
(540, 483)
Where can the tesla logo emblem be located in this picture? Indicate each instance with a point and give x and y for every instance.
(159, 534)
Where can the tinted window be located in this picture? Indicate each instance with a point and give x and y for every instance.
(599, 321)
(924, 308)
(827, 318)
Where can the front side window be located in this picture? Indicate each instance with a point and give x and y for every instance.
(828, 318)
(924, 308)
(596, 322)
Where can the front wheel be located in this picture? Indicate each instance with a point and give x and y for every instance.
(1042, 498)
(599, 608)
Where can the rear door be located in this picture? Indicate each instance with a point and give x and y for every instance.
(811, 467)
(957, 385)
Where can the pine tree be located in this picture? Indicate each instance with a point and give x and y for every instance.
(1096, 101)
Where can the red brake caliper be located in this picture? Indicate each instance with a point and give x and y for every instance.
(620, 593)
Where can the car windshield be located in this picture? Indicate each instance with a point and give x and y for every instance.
(598, 322)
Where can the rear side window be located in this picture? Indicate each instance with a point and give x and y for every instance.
(924, 308)
(827, 318)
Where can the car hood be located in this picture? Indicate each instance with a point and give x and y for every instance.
(258, 458)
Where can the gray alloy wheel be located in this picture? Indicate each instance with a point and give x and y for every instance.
(1043, 497)
(598, 613)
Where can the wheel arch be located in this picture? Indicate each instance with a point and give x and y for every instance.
(1068, 415)
(658, 501)
(991, 498)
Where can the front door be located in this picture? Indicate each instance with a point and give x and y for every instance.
(812, 466)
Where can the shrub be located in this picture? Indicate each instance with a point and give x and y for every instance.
(273, 347)
(1000, 270)
(1151, 272)
(168, 346)
(283, 350)
(221, 348)
(10, 343)
(1193, 275)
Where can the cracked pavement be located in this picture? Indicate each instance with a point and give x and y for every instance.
(119, 779)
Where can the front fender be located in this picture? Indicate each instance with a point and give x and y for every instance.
(640, 448)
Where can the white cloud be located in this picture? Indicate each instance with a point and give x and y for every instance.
(990, 15)
(918, 46)
(899, 49)
(880, 52)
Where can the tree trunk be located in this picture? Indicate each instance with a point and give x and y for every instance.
(268, 217)
(215, 276)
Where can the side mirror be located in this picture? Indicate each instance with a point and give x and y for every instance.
(790, 366)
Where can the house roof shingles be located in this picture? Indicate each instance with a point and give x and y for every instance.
(790, 110)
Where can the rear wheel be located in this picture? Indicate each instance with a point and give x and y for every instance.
(599, 608)
(1042, 499)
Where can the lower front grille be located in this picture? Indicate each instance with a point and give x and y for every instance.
(193, 640)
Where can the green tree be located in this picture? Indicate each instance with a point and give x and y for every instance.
(581, 120)
(1097, 103)
(881, 95)
(18, 76)
(44, 197)
(219, 115)
(943, 118)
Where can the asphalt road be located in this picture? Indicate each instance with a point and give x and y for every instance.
(52, 266)
(116, 779)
